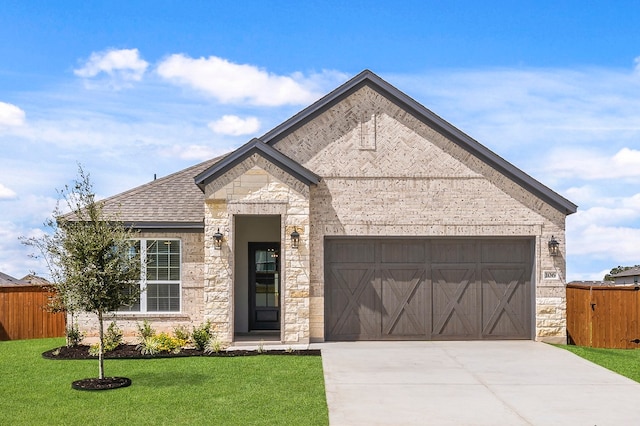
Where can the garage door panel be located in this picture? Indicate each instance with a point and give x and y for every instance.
(354, 304)
(454, 302)
(505, 251)
(453, 251)
(403, 252)
(403, 301)
(352, 251)
(506, 308)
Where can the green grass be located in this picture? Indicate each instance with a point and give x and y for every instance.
(623, 361)
(255, 390)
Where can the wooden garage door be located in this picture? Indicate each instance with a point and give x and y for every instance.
(412, 289)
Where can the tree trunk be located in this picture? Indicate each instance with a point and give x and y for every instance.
(101, 347)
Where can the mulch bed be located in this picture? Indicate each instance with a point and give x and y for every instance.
(130, 352)
(107, 383)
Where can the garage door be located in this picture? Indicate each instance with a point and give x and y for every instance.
(416, 289)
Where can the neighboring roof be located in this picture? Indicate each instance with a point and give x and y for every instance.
(628, 273)
(35, 280)
(591, 283)
(9, 280)
(172, 201)
(256, 146)
(460, 138)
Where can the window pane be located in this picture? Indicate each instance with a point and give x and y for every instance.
(163, 297)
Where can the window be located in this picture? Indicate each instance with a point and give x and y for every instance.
(160, 278)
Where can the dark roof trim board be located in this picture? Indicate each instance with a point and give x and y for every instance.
(256, 146)
(463, 140)
(164, 225)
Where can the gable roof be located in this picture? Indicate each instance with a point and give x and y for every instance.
(9, 280)
(425, 115)
(256, 146)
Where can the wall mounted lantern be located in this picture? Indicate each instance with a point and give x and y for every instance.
(295, 238)
(217, 241)
(554, 247)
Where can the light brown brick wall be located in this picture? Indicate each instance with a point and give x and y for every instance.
(385, 173)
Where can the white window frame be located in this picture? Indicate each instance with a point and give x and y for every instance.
(144, 282)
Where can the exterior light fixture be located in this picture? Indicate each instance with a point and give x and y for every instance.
(217, 242)
(295, 238)
(554, 247)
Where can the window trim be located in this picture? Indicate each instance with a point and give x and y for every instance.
(143, 242)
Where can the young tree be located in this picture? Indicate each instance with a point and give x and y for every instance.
(91, 257)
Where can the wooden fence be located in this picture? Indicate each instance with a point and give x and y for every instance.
(603, 316)
(24, 314)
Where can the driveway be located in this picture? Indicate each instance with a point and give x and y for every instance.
(472, 383)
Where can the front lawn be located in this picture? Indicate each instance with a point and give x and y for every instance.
(253, 390)
(623, 361)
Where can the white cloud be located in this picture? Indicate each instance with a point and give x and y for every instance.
(122, 65)
(233, 83)
(235, 126)
(11, 115)
(6, 193)
(591, 164)
(193, 152)
(618, 244)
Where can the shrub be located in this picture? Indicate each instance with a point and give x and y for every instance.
(214, 345)
(181, 333)
(74, 335)
(149, 346)
(112, 339)
(201, 335)
(145, 330)
(162, 342)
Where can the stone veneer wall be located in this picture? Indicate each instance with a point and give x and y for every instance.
(192, 292)
(257, 187)
(385, 173)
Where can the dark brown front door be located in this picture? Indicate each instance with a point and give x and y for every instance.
(264, 286)
(428, 289)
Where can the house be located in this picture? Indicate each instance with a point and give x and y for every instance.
(9, 280)
(628, 277)
(363, 217)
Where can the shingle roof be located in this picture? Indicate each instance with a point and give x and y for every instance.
(173, 200)
(628, 273)
(9, 280)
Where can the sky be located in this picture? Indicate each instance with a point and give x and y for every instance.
(132, 89)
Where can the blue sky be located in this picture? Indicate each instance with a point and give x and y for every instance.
(130, 89)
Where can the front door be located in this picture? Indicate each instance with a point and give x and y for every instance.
(264, 286)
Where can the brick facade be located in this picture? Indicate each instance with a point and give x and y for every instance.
(386, 170)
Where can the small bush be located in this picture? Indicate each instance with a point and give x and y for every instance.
(74, 335)
(181, 333)
(214, 345)
(201, 335)
(111, 340)
(162, 342)
(149, 346)
(145, 330)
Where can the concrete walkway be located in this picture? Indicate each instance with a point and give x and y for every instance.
(472, 383)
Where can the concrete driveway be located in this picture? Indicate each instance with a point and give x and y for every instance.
(472, 383)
